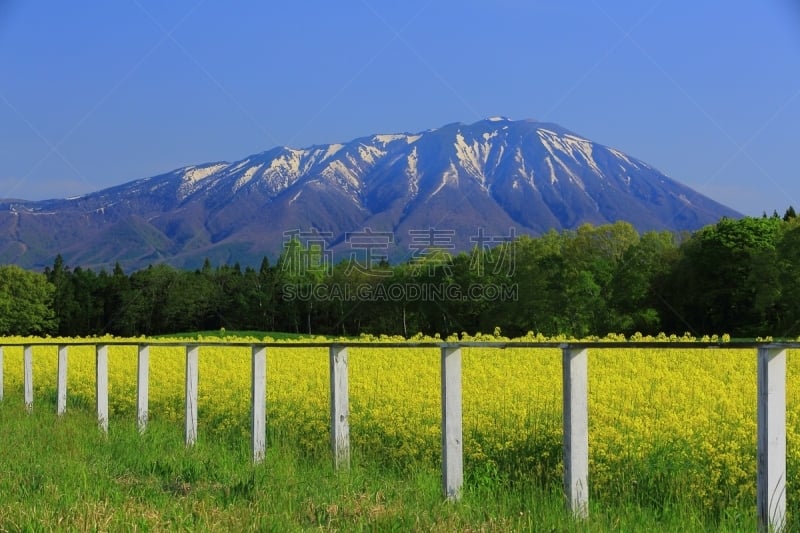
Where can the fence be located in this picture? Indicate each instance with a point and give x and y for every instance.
(771, 409)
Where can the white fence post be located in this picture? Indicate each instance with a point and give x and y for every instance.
(61, 381)
(191, 394)
(1, 373)
(258, 392)
(27, 361)
(452, 432)
(576, 430)
(101, 385)
(142, 385)
(771, 482)
(340, 408)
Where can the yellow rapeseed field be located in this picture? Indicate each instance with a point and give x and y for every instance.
(663, 421)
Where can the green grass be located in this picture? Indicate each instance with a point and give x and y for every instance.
(65, 474)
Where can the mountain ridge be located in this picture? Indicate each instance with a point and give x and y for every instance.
(492, 175)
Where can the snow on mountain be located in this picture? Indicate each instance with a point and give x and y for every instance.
(491, 175)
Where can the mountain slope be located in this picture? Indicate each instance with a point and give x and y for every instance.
(493, 175)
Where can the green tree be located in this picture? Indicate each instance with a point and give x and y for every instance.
(300, 268)
(64, 305)
(539, 277)
(26, 302)
(262, 286)
(229, 302)
(189, 302)
(146, 302)
(117, 290)
(590, 259)
(725, 279)
(787, 309)
(634, 290)
(88, 306)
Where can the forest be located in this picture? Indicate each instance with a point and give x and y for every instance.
(739, 276)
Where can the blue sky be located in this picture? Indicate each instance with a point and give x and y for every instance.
(94, 94)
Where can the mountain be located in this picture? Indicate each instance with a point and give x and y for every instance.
(494, 176)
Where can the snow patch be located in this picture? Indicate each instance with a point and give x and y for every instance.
(473, 158)
(284, 170)
(553, 178)
(448, 176)
(577, 148)
(288, 162)
(192, 176)
(157, 187)
(195, 174)
(241, 165)
(386, 139)
(624, 157)
(583, 147)
(337, 172)
(246, 177)
(332, 150)
(624, 175)
(412, 173)
(523, 172)
(369, 154)
(572, 176)
(563, 165)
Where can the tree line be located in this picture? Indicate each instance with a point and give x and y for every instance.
(739, 276)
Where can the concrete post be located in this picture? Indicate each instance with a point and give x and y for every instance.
(101, 385)
(61, 381)
(576, 430)
(340, 408)
(452, 431)
(258, 393)
(192, 382)
(142, 386)
(771, 481)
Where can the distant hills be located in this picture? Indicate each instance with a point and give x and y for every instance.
(496, 176)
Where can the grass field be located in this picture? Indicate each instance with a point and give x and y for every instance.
(672, 443)
(64, 474)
